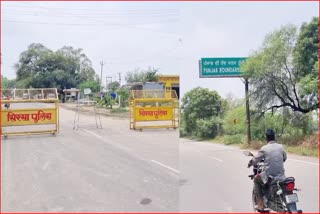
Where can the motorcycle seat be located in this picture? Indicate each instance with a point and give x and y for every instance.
(281, 181)
(286, 181)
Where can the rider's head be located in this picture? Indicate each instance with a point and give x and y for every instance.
(270, 135)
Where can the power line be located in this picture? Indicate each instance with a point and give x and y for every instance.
(127, 11)
(88, 24)
(46, 13)
(132, 26)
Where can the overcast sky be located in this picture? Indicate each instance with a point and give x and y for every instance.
(170, 36)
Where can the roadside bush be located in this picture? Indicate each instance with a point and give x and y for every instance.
(198, 106)
(234, 139)
(207, 128)
(107, 101)
(235, 121)
(124, 97)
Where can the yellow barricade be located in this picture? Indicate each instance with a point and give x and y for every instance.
(154, 109)
(29, 111)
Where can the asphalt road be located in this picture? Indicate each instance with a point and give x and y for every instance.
(214, 178)
(111, 169)
(114, 169)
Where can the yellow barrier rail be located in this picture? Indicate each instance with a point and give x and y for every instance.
(154, 109)
(29, 111)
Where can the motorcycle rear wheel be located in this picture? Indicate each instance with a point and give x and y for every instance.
(292, 208)
(254, 200)
(278, 204)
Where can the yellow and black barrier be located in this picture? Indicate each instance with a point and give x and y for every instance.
(154, 109)
(29, 111)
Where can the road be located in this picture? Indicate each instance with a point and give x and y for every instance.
(214, 178)
(112, 169)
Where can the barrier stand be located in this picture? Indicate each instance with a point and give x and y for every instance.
(154, 109)
(86, 103)
(29, 111)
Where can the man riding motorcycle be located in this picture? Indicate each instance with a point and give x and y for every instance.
(273, 155)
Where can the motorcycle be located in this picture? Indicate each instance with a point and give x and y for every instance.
(278, 195)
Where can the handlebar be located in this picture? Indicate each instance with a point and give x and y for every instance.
(251, 176)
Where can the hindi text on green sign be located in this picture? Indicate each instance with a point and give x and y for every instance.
(221, 67)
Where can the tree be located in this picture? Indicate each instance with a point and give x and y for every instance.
(277, 80)
(123, 93)
(92, 84)
(306, 49)
(306, 59)
(7, 83)
(40, 67)
(201, 112)
(113, 86)
(149, 75)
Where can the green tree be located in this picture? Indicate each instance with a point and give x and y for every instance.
(7, 83)
(201, 112)
(148, 75)
(113, 86)
(40, 67)
(234, 121)
(306, 49)
(92, 84)
(275, 79)
(306, 60)
(124, 96)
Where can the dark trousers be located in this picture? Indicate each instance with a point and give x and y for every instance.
(258, 186)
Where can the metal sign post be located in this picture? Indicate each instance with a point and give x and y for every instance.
(248, 110)
(226, 67)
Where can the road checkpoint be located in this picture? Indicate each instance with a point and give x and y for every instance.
(154, 109)
(29, 111)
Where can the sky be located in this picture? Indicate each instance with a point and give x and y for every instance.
(169, 36)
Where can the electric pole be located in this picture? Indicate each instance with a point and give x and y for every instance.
(119, 78)
(101, 63)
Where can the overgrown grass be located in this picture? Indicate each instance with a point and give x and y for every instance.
(294, 143)
(307, 146)
(300, 150)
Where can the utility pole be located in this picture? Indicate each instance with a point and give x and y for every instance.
(119, 78)
(101, 63)
(248, 110)
(107, 81)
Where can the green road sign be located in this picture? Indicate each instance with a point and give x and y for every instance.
(220, 67)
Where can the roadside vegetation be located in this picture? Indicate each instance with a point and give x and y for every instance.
(68, 67)
(283, 78)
